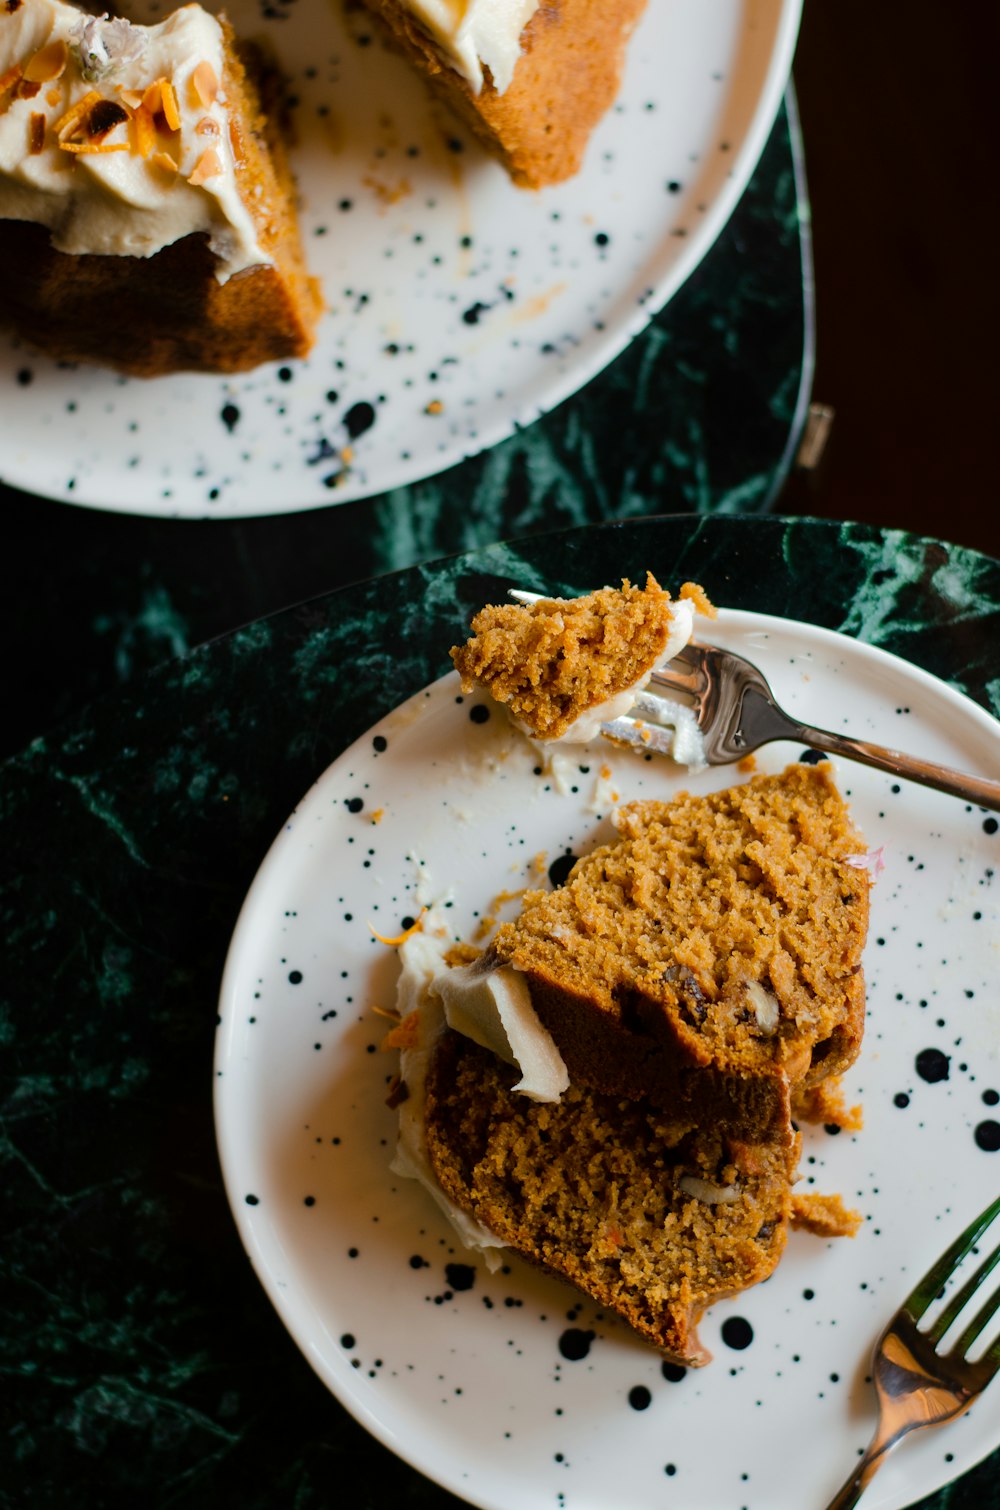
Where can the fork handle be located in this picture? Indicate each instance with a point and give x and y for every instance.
(975, 789)
(863, 1472)
(849, 1493)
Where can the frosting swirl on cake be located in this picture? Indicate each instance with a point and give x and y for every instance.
(117, 137)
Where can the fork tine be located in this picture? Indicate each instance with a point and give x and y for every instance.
(961, 1298)
(928, 1288)
(677, 681)
(982, 1316)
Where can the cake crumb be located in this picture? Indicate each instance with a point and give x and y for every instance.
(823, 1215)
(825, 1104)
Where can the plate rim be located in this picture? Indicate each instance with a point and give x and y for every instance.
(600, 352)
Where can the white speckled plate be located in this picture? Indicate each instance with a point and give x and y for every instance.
(459, 307)
(508, 1389)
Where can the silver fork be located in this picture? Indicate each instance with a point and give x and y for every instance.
(735, 712)
(917, 1383)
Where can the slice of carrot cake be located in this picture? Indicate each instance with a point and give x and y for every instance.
(723, 930)
(531, 78)
(653, 1213)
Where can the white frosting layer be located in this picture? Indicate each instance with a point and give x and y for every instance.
(471, 33)
(493, 1007)
(121, 203)
(421, 959)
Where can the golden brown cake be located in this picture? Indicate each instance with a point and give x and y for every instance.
(652, 1214)
(553, 662)
(608, 1089)
(147, 217)
(532, 94)
(723, 930)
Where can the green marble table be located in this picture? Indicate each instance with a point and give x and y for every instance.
(142, 1362)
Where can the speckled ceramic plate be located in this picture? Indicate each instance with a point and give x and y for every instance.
(507, 1388)
(459, 307)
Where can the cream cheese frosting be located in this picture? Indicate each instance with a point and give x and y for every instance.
(154, 186)
(421, 958)
(491, 1007)
(472, 34)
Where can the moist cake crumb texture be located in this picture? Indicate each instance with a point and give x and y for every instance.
(550, 661)
(722, 930)
(651, 1215)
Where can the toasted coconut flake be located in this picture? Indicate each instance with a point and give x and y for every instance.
(48, 63)
(236, 142)
(209, 165)
(168, 104)
(205, 84)
(36, 135)
(130, 97)
(165, 161)
(207, 126)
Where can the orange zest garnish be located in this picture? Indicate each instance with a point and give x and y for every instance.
(405, 1035)
(152, 97)
(75, 114)
(400, 937)
(168, 104)
(8, 80)
(145, 130)
(92, 149)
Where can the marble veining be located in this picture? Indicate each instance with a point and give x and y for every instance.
(142, 1361)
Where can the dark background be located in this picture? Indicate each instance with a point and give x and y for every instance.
(895, 103)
